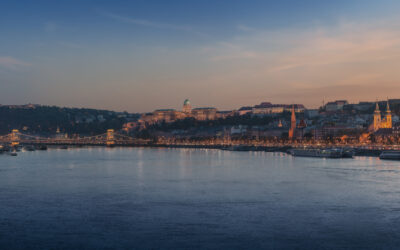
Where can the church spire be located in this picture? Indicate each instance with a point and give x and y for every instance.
(387, 106)
(377, 108)
(388, 116)
(292, 124)
(377, 118)
(293, 119)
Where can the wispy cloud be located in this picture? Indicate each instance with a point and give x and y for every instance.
(151, 24)
(12, 63)
(306, 64)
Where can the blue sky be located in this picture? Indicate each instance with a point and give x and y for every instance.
(143, 55)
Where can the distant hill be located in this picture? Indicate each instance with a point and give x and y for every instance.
(37, 119)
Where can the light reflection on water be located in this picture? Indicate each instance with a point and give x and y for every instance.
(151, 198)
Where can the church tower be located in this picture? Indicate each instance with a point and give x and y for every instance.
(388, 116)
(292, 124)
(377, 118)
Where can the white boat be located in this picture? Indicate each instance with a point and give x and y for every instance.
(390, 155)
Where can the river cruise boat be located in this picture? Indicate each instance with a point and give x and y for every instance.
(390, 155)
(318, 152)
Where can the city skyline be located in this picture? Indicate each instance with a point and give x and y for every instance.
(140, 56)
(178, 107)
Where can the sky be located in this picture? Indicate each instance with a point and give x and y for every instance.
(138, 56)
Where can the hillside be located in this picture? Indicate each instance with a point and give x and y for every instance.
(37, 119)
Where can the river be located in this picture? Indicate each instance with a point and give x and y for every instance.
(161, 198)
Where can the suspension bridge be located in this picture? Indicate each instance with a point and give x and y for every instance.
(110, 138)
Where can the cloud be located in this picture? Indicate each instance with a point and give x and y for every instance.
(12, 63)
(306, 64)
(289, 48)
(318, 50)
(151, 24)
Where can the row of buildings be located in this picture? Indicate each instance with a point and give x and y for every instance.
(267, 108)
(340, 119)
(333, 119)
(207, 113)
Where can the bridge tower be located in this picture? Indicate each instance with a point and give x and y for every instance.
(110, 138)
(14, 138)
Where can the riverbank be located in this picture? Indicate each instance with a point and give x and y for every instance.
(358, 151)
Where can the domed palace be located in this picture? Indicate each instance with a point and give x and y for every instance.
(187, 108)
(171, 115)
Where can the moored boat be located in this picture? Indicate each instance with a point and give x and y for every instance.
(12, 153)
(316, 152)
(390, 155)
(42, 147)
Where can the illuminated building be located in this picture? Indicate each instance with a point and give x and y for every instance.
(377, 118)
(388, 117)
(269, 108)
(171, 115)
(386, 122)
(187, 108)
(168, 115)
(204, 113)
(245, 110)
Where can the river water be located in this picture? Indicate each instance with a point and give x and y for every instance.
(149, 198)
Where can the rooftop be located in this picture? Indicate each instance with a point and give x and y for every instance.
(246, 108)
(163, 110)
(204, 108)
(270, 105)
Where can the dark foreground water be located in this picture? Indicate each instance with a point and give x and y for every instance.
(134, 198)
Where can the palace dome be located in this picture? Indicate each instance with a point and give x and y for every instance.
(186, 102)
